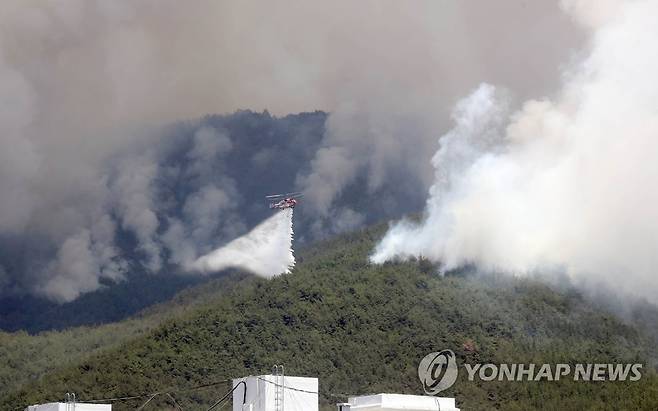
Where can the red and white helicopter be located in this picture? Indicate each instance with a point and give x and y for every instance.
(283, 201)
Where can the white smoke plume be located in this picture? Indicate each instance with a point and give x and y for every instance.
(414, 60)
(570, 183)
(265, 251)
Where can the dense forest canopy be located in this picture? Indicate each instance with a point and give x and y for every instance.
(360, 328)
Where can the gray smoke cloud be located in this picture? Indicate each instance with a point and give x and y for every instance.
(82, 82)
(413, 62)
(566, 183)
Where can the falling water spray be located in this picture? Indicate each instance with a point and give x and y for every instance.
(265, 251)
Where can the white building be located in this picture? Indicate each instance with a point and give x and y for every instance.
(398, 402)
(275, 393)
(69, 406)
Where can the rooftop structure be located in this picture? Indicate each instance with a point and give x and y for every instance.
(275, 393)
(398, 402)
(69, 406)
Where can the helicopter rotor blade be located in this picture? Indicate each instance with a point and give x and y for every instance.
(294, 195)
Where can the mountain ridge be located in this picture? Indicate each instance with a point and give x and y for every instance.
(363, 328)
(260, 154)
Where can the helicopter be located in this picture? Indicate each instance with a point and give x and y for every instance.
(283, 201)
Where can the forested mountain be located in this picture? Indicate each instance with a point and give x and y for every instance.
(238, 158)
(26, 357)
(363, 328)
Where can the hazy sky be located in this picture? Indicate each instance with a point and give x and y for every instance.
(81, 82)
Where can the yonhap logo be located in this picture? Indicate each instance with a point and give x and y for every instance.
(438, 371)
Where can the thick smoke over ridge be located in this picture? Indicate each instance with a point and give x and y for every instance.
(83, 172)
(568, 183)
(265, 251)
(385, 123)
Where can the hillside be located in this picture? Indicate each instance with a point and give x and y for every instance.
(266, 154)
(27, 357)
(363, 329)
(258, 142)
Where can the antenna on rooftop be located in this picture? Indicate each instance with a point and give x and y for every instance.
(279, 381)
(70, 401)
